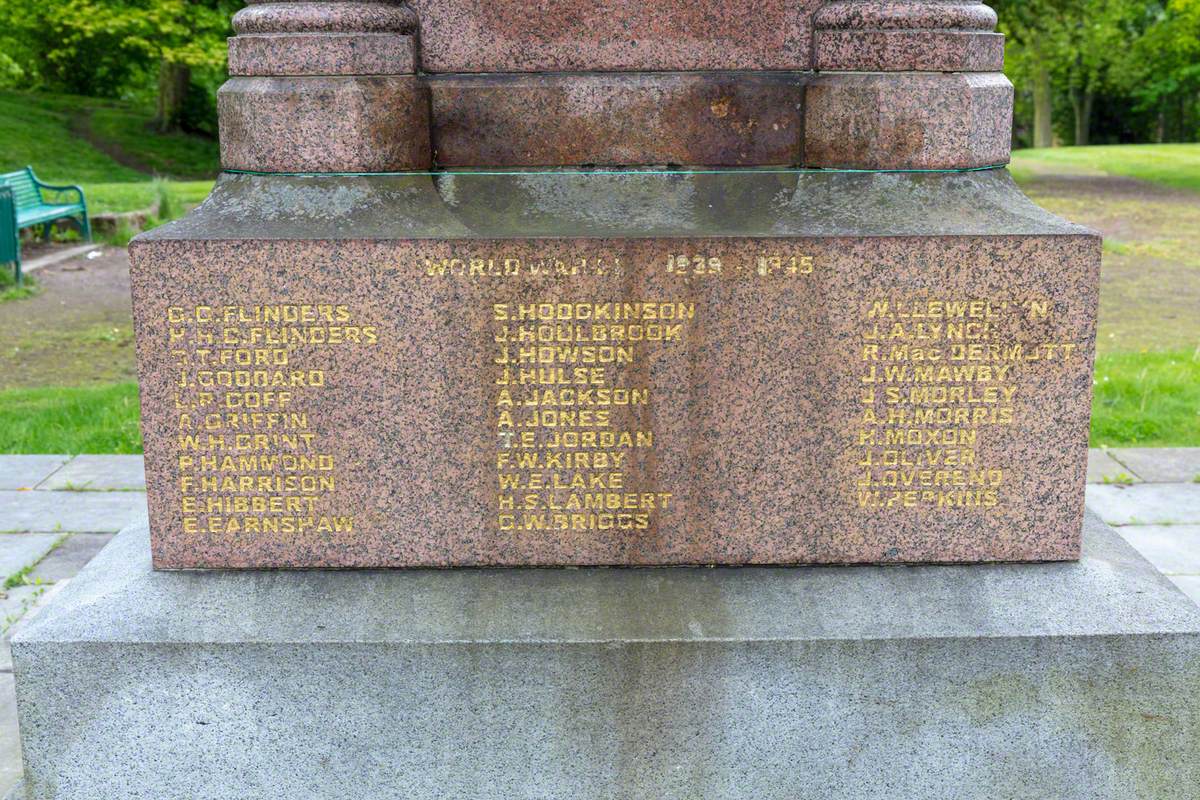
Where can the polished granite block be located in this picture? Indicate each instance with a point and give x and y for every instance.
(604, 368)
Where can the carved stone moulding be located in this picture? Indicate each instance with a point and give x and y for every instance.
(612, 119)
(342, 86)
(324, 87)
(900, 36)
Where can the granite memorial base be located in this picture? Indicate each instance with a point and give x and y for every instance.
(589, 368)
(1065, 680)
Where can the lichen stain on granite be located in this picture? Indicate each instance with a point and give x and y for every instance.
(1143, 737)
(637, 671)
(1147, 744)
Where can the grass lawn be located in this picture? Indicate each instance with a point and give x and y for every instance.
(118, 197)
(1147, 400)
(8, 285)
(91, 419)
(1174, 165)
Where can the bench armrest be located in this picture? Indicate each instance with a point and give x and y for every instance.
(70, 188)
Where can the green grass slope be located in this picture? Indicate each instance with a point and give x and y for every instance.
(106, 146)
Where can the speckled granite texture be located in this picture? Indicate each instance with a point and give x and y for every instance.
(322, 54)
(908, 120)
(745, 444)
(566, 83)
(890, 36)
(1076, 681)
(891, 51)
(325, 124)
(711, 118)
(342, 16)
(557, 35)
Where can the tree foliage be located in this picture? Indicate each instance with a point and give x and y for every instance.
(111, 48)
(1103, 70)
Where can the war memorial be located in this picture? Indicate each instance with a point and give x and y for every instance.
(630, 400)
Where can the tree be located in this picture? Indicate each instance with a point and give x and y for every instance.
(98, 47)
(181, 35)
(1070, 48)
(1028, 57)
(1162, 71)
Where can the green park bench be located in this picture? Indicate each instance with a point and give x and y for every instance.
(25, 201)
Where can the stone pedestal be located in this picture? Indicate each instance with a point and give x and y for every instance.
(1075, 681)
(590, 368)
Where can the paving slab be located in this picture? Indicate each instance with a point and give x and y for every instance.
(1103, 468)
(26, 472)
(1160, 464)
(1174, 549)
(69, 557)
(1146, 503)
(98, 473)
(1189, 585)
(20, 550)
(10, 741)
(779, 683)
(33, 602)
(15, 602)
(82, 512)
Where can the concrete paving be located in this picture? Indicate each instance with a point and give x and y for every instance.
(1146, 503)
(98, 473)
(95, 512)
(58, 511)
(1174, 549)
(1103, 468)
(19, 550)
(57, 257)
(26, 472)
(1160, 464)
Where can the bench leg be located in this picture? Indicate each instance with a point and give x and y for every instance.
(87, 227)
(47, 229)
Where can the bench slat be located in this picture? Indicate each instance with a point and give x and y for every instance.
(39, 214)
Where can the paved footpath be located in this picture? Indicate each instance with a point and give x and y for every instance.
(56, 512)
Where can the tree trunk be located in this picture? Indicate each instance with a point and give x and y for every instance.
(1081, 104)
(1043, 109)
(173, 80)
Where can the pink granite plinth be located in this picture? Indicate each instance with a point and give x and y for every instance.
(324, 124)
(466, 395)
(908, 120)
(565, 35)
(714, 119)
(284, 54)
